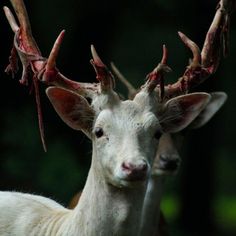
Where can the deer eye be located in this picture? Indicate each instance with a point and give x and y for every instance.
(98, 132)
(157, 134)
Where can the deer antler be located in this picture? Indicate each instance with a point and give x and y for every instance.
(154, 78)
(205, 62)
(24, 43)
(38, 68)
(131, 90)
(103, 74)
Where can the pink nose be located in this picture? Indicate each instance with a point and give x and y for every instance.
(135, 172)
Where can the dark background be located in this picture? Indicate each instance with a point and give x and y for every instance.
(201, 200)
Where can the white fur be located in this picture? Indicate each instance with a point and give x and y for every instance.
(109, 203)
(155, 187)
(168, 146)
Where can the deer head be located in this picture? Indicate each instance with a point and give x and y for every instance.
(203, 64)
(155, 109)
(167, 160)
(125, 134)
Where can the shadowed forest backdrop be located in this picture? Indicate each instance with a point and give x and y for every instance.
(201, 200)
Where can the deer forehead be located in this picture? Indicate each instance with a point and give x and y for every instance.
(127, 116)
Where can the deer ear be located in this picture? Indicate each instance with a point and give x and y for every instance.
(73, 109)
(216, 102)
(179, 112)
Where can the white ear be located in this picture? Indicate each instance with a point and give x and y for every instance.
(216, 102)
(73, 109)
(180, 111)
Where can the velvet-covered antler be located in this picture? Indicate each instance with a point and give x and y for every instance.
(37, 68)
(204, 62)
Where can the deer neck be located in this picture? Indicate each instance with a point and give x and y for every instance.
(107, 210)
(151, 205)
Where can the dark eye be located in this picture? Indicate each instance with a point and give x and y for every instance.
(99, 132)
(158, 134)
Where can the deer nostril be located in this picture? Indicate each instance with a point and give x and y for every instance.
(163, 158)
(169, 162)
(143, 167)
(127, 166)
(171, 165)
(134, 167)
(135, 171)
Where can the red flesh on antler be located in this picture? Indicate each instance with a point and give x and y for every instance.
(38, 68)
(35, 67)
(156, 77)
(205, 63)
(104, 76)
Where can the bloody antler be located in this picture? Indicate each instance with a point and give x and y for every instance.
(131, 90)
(38, 68)
(24, 44)
(205, 63)
(103, 74)
(156, 77)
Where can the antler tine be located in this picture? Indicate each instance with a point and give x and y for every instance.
(22, 15)
(154, 78)
(11, 19)
(217, 35)
(13, 65)
(164, 54)
(51, 62)
(36, 67)
(157, 75)
(131, 90)
(205, 63)
(51, 75)
(96, 59)
(196, 61)
(43, 70)
(104, 76)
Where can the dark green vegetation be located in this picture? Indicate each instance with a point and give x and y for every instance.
(201, 200)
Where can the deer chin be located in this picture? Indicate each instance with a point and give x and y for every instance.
(164, 172)
(126, 182)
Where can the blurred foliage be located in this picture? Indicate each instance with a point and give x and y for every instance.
(131, 34)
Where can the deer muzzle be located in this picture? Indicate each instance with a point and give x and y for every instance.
(135, 171)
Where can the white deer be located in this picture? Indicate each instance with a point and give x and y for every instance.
(124, 137)
(166, 162)
(167, 159)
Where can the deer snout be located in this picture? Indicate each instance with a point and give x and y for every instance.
(135, 171)
(169, 162)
